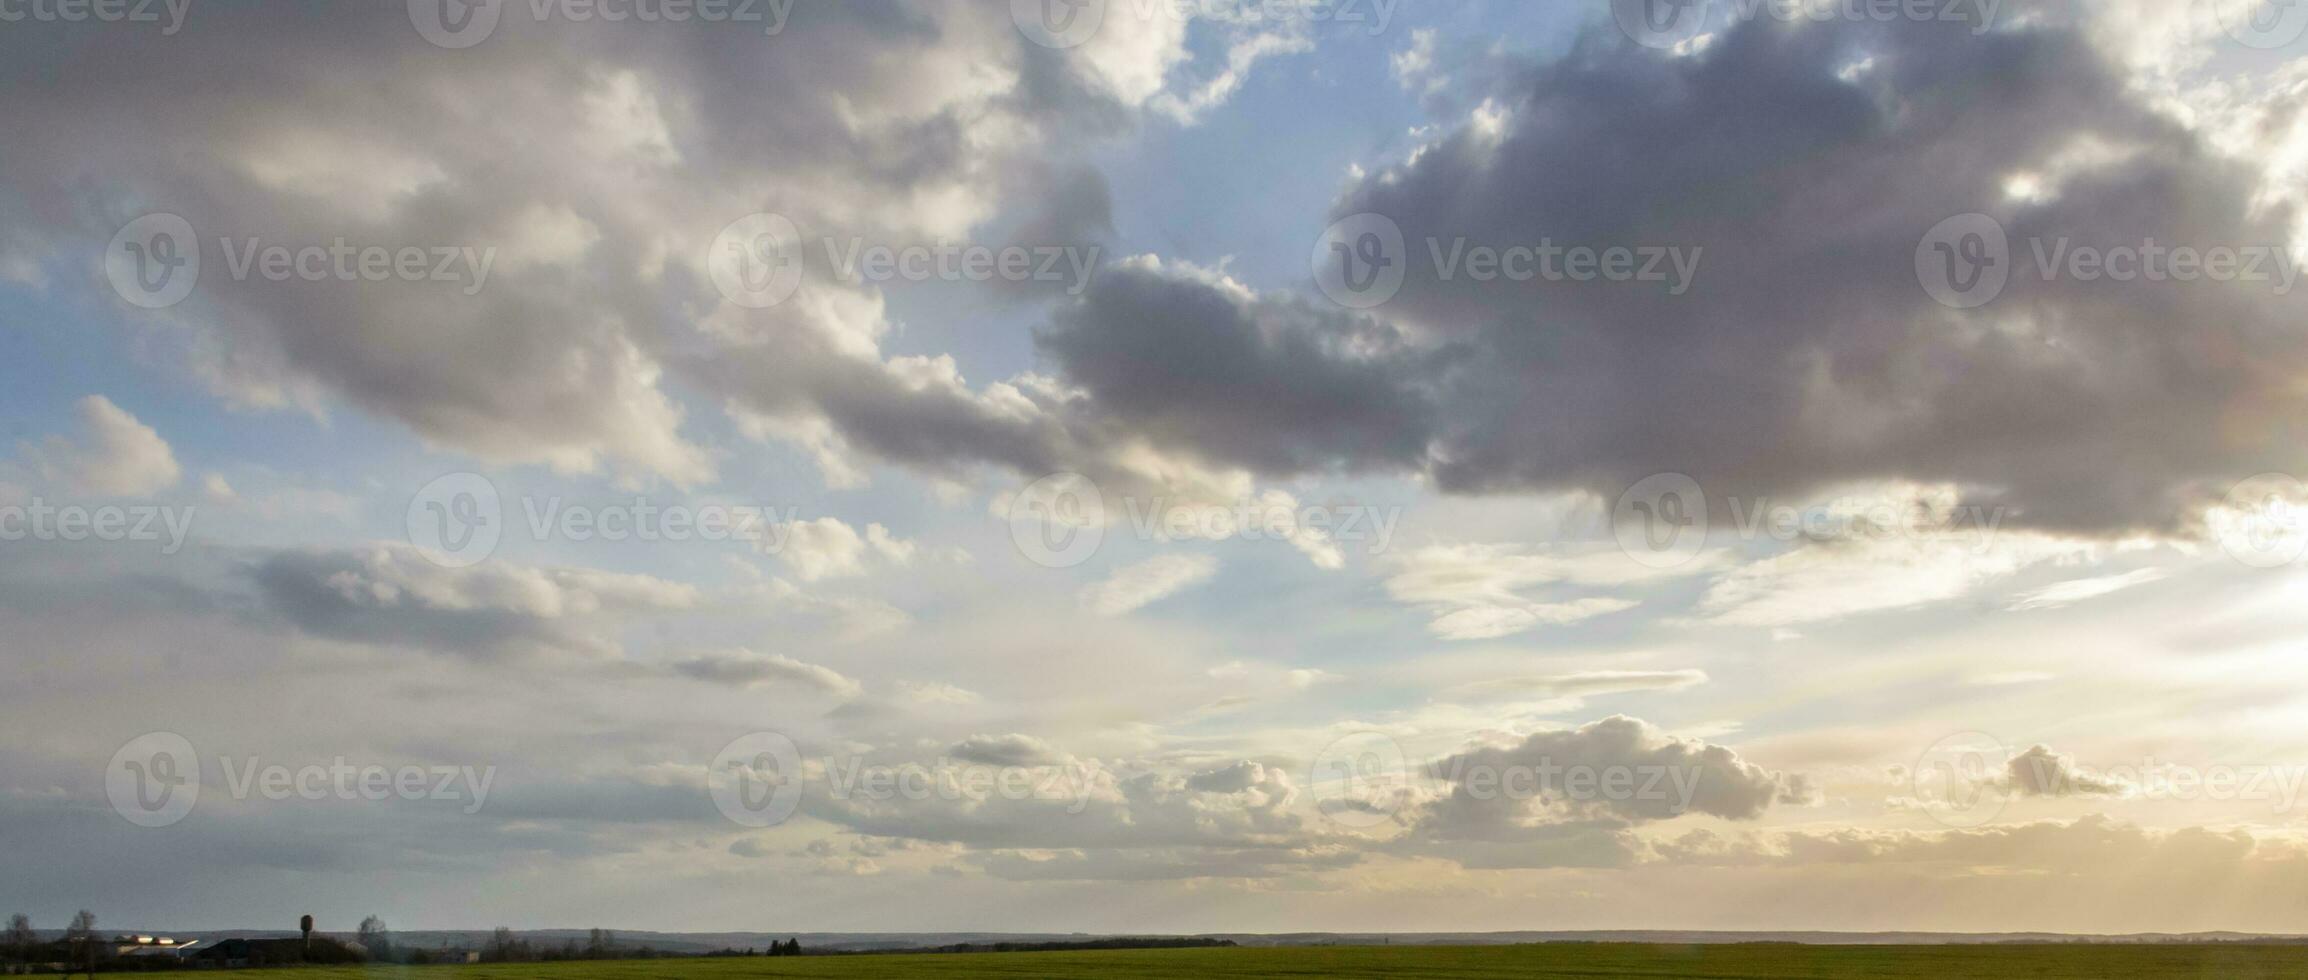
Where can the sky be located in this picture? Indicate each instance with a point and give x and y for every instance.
(1119, 466)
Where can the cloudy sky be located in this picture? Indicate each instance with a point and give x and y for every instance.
(1135, 466)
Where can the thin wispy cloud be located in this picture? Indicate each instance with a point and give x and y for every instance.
(1137, 586)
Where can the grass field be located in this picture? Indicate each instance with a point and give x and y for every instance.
(1584, 962)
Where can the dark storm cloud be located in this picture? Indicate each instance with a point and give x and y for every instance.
(1803, 164)
(1273, 385)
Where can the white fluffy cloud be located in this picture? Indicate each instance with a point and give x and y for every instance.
(1005, 750)
(115, 455)
(828, 548)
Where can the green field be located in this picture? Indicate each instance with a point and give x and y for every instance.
(1759, 962)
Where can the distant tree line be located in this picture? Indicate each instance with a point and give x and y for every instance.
(80, 949)
(600, 944)
(790, 947)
